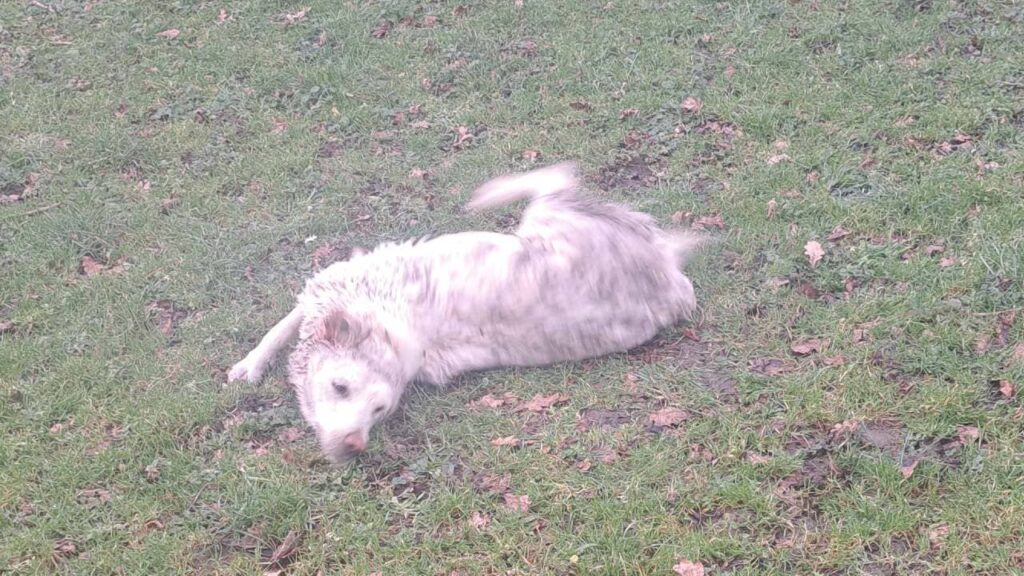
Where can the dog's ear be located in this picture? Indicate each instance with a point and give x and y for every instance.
(339, 328)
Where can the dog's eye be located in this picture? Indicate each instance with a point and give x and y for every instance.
(341, 389)
(378, 410)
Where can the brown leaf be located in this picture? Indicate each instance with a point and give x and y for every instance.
(849, 285)
(279, 125)
(967, 433)
(420, 124)
(808, 346)
(691, 104)
(222, 16)
(770, 213)
(494, 483)
(907, 470)
(479, 521)
(843, 428)
(291, 434)
(630, 383)
(382, 29)
(629, 113)
(169, 34)
(837, 360)
(838, 233)
(777, 158)
(668, 416)
(286, 549)
(91, 267)
(517, 503)
(811, 177)
(755, 458)
(93, 496)
(505, 441)
(530, 154)
(937, 535)
(1007, 389)
(712, 221)
(947, 262)
(687, 568)
(64, 548)
(462, 135)
(429, 21)
(1018, 352)
(580, 105)
(770, 366)
(292, 18)
(933, 249)
(814, 252)
(540, 402)
(584, 465)
(167, 203)
(489, 401)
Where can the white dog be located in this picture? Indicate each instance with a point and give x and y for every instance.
(578, 279)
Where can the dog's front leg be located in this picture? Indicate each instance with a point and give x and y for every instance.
(251, 367)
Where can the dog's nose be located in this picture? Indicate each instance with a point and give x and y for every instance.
(354, 442)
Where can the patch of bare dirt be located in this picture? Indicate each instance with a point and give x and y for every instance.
(630, 172)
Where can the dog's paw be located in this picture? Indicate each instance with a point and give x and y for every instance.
(247, 370)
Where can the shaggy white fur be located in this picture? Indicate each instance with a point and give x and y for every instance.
(578, 279)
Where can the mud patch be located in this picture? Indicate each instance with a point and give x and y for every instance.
(630, 173)
(166, 315)
(684, 351)
(602, 418)
(888, 437)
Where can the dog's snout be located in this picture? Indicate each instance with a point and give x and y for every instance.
(354, 442)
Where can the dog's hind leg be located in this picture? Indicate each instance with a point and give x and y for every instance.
(251, 367)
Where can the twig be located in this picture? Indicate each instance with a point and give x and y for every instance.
(998, 312)
(40, 209)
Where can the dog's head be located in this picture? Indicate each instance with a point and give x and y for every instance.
(348, 376)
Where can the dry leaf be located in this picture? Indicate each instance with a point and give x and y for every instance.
(489, 401)
(540, 402)
(811, 177)
(837, 360)
(462, 135)
(780, 145)
(479, 521)
(629, 113)
(908, 469)
(291, 434)
(295, 17)
(580, 105)
(837, 233)
(967, 433)
(947, 262)
(279, 125)
(584, 465)
(64, 548)
(937, 536)
(776, 158)
(771, 209)
(382, 29)
(93, 496)
(843, 428)
(808, 346)
(420, 124)
(517, 503)
(691, 104)
(934, 249)
(814, 252)
(170, 34)
(755, 458)
(668, 416)
(630, 383)
(1018, 352)
(506, 441)
(712, 221)
(222, 16)
(1007, 389)
(530, 154)
(91, 267)
(287, 548)
(687, 568)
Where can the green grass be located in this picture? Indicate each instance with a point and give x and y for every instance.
(205, 172)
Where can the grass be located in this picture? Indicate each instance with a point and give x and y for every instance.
(167, 197)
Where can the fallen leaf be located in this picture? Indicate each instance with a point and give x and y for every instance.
(64, 548)
(691, 104)
(494, 483)
(838, 233)
(294, 17)
(771, 209)
(770, 366)
(93, 496)
(814, 252)
(908, 469)
(419, 173)
(967, 433)
(286, 548)
(291, 434)
(579, 105)
(584, 465)
(808, 346)
(540, 402)
(933, 249)
(152, 472)
(517, 503)
(530, 154)
(843, 428)
(777, 281)
(793, 228)
(947, 262)
(420, 124)
(630, 383)
(170, 34)
(489, 401)
(755, 458)
(279, 125)
(776, 158)
(712, 221)
(780, 144)
(849, 285)
(629, 113)
(837, 360)
(668, 417)
(321, 40)
(167, 203)
(1007, 389)
(505, 441)
(91, 267)
(1018, 352)
(382, 29)
(479, 521)
(691, 335)
(222, 16)
(429, 21)
(58, 427)
(811, 177)
(462, 135)
(937, 535)
(687, 568)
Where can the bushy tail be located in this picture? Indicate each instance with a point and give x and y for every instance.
(683, 245)
(554, 179)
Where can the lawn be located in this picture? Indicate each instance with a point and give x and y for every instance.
(847, 402)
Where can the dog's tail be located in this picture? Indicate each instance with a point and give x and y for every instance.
(555, 179)
(682, 245)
